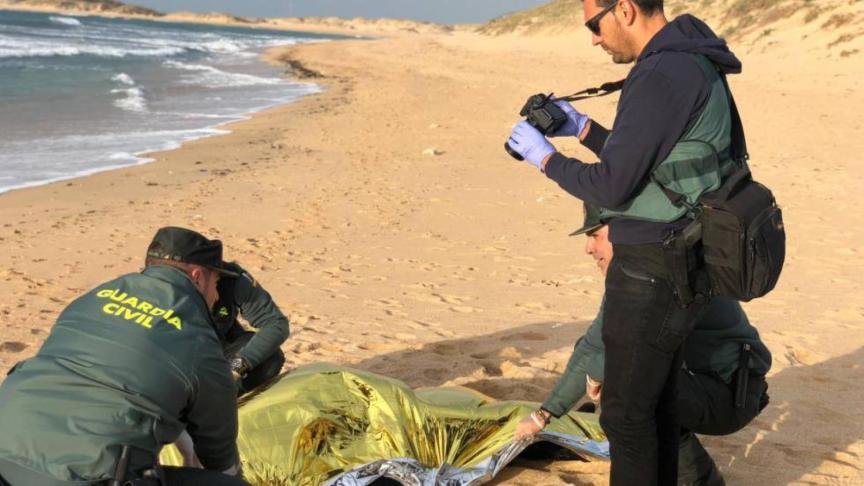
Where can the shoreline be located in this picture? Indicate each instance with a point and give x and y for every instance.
(146, 156)
(456, 268)
(294, 73)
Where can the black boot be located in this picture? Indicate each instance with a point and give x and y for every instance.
(695, 466)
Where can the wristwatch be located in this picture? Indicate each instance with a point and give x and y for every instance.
(239, 366)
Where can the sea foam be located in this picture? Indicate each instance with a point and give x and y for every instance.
(132, 101)
(65, 21)
(211, 77)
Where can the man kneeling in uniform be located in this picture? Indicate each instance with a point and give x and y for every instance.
(721, 387)
(255, 356)
(125, 369)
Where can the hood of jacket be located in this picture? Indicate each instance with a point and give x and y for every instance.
(689, 34)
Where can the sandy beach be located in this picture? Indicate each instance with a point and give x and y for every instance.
(385, 217)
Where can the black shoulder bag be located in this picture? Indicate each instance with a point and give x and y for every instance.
(743, 238)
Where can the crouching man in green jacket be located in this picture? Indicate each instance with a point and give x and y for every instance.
(721, 387)
(125, 369)
(255, 356)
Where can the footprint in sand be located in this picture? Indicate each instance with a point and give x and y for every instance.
(435, 374)
(445, 348)
(380, 346)
(304, 347)
(800, 357)
(464, 309)
(423, 285)
(510, 369)
(527, 336)
(444, 333)
(451, 299)
(419, 325)
(12, 346)
(382, 303)
(491, 368)
(532, 306)
(509, 352)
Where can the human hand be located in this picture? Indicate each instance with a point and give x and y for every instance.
(593, 389)
(575, 124)
(525, 429)
(186, 448)
(531, 425)
(528, 142)
(239, 368)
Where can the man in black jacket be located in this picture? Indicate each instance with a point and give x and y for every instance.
(673, 114)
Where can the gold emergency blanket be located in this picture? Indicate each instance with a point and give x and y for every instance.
(332, 425)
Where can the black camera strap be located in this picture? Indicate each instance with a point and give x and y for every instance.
(605, 89)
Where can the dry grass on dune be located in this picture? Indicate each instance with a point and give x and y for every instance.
(733, 18)
(95, 6)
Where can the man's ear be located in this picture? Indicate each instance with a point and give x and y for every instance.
(628, 12)
(196, 273)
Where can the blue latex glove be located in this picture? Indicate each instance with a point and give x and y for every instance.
(575, 121)
(528, 142)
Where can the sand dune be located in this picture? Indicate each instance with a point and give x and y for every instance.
(455, 268)
(338, 25)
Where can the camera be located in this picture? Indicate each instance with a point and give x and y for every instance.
(543, 114)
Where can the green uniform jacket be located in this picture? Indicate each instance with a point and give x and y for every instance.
(132, 362)
(713, 347)
(244, 295)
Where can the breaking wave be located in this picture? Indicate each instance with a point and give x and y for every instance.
(211, 77)
(132, 101)
(65, 21)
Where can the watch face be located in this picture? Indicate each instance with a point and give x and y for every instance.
(237, 364)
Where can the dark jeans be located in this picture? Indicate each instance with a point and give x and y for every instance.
(706, 406)
(236, 339)
(643, 331)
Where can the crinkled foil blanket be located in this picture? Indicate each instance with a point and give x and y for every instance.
(329, 425)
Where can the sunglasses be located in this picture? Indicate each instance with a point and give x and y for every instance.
(593, 23)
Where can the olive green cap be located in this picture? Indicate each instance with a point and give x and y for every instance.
(592, 220)
(187, 246)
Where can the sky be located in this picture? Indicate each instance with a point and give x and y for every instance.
(442, 11)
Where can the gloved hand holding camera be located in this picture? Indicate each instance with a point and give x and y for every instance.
(530, 144)
(575, 124)
(544, 116)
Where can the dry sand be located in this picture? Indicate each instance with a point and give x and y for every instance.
(456, 268)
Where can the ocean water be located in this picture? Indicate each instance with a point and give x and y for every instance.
(80, 95)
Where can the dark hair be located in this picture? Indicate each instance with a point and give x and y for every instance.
(185, 267)
(647, 6)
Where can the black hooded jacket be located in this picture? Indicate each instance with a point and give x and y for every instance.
(663, 96)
